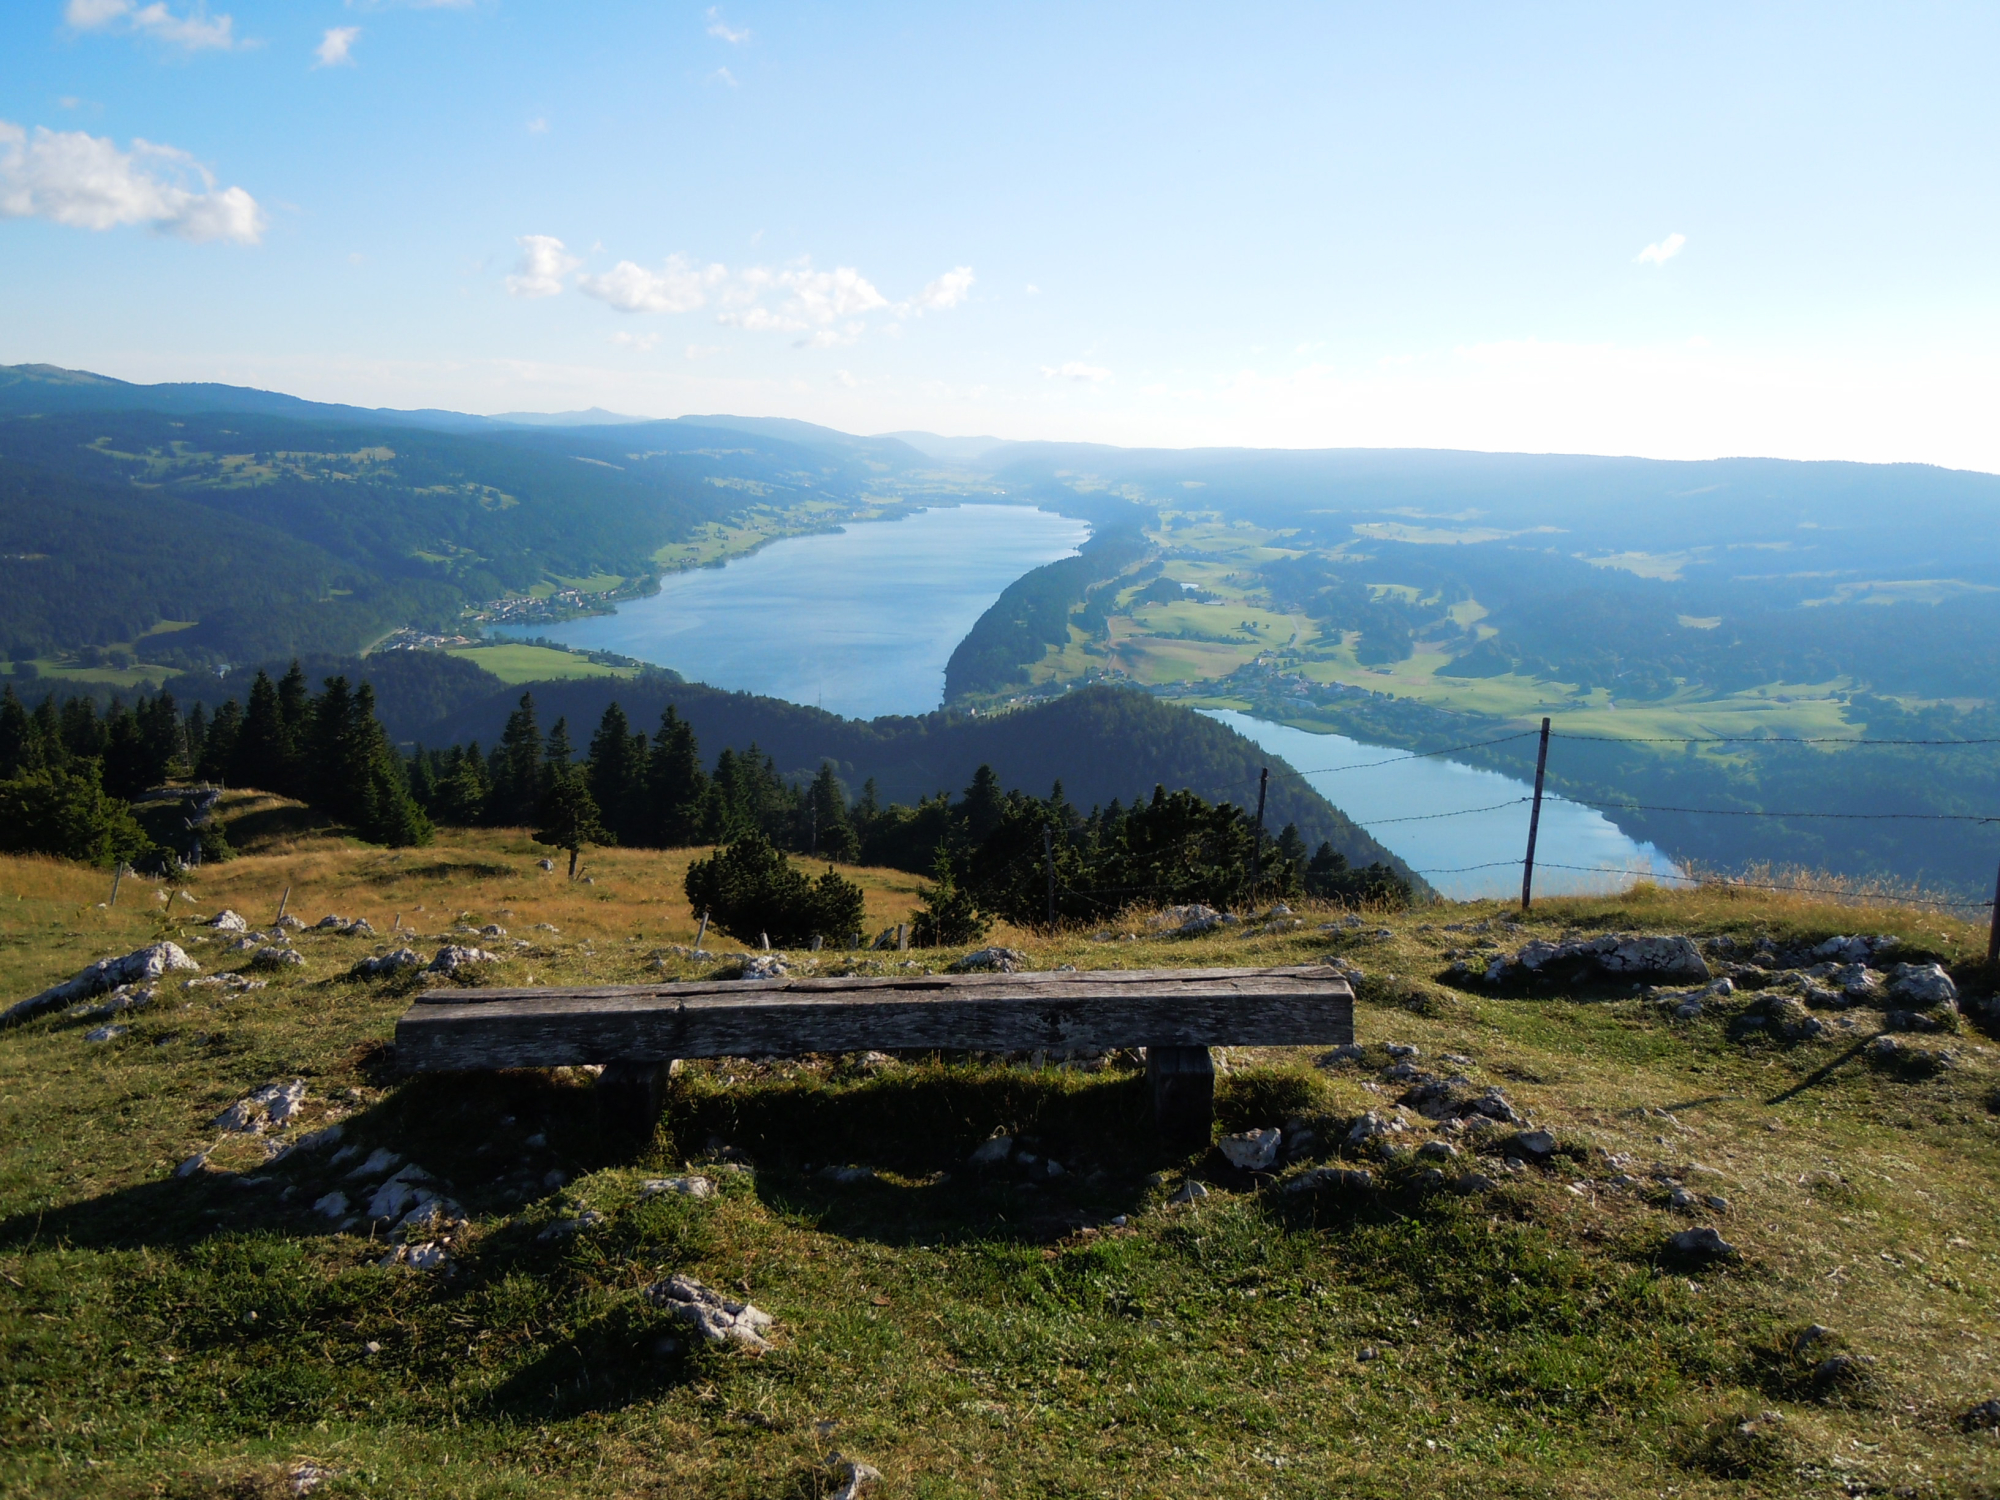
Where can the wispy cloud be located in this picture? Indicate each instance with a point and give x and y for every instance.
(538, 126)
(826, 308)
(718, 27)
(723, 75)
(196, 31)
(336, 47)
(86, 182)
(543, 264)
(1077, 370)
(640, 341)
(678, 286)
(1664, 251)
(941, 295)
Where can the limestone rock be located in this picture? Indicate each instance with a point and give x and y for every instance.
(1701, 1243)
(1349, 1179)
(392, 962)
(682, 1187)
(137, 967)
(268, 1108)
(333, 1205)
(1673, 958)
(718, 1319)
(227, 921)
(271, 956)
(992, 960)
(1472, 1182)
(1923, 987)
(857, 1478)
(1252, 1150)
(290, 924)
(847, 1176)
(1985, 1415)
(992, 1152)
(590, 1218)
(105, 1033)
(452, 957)
(1190, 1192)
(1371, 1125)
(762, 966)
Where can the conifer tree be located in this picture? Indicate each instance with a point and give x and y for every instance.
(568, 816)
(617, 775)
(829, 834)
(219, 746)
(262, 754)
(516, 768)
(19, 749)
(676, 786)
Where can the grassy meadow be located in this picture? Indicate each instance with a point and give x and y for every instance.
(969, 1333)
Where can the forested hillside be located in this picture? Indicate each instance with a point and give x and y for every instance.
(259, 526)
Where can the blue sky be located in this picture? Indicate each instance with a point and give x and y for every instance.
(1677, 231)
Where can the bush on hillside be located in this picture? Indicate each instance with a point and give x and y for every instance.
(67, 813)
(950, 916)
(750, 888)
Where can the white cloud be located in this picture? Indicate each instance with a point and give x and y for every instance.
(86, 182)
(723, 75)
(810, 300)
(543, 264)
(1033, 290)
(947, 291)
(1660, 254)
(538, 126)
(336, 47)
(640, 341)
(1076, 369)
(195, 31)
(678, 286)
(702, 351)
(720, 28)
(846, 378)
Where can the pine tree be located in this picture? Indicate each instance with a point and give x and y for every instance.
(516, 770)
(828, 832)
(617, 775)
(984, 805)
(568, 815)
(19, 747)
(262, 754)
(219, 747)
(463, 792)
(676, 786)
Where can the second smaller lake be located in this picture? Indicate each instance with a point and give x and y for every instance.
(1476, 849)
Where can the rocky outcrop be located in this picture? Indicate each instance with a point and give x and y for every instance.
(992, 961)
(1670, 959)
(106, 974)
(718, 1319)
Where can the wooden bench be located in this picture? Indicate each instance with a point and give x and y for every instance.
(638, 1031)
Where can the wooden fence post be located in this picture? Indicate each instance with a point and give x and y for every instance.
(1534, 822)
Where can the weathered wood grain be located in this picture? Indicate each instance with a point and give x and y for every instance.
(1094, 1010)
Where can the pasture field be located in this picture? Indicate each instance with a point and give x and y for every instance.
(968, 1332)
(513, 663)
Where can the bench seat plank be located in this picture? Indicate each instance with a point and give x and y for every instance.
(465, 1029)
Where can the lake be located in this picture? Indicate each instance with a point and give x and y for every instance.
(859, 621)
(1449, 852)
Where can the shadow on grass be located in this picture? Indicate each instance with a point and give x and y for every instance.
(499, 1143)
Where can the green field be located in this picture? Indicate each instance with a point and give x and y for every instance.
(519, 663)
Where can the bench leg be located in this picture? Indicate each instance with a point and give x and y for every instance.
(1183, 1080)
(630, 1096)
